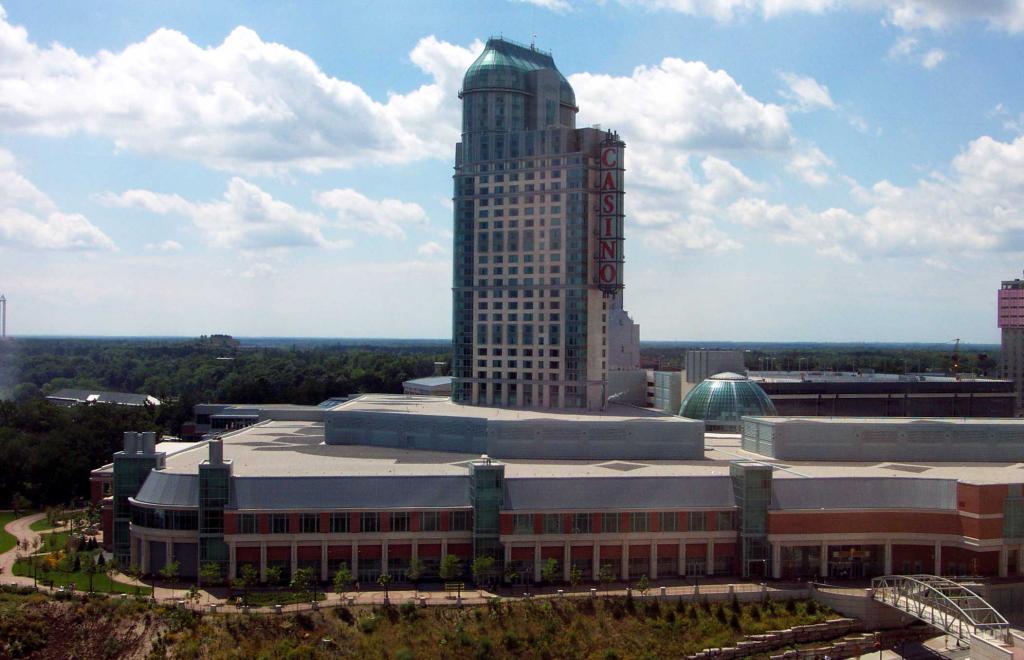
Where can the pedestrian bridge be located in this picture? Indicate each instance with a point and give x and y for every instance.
(943, 603)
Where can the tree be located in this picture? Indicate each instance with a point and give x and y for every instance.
(342, 578)
(209, 573)
(606, 575)
(247, 578)
(451, 568)
(19, 503)
(88, 566)
(170, 573)
(274, 575)
(303, 581)
(643, 585)
(510, 573)
(384, 580)
(575, 576)
(415, 571)
(549, 570)
(482, 569)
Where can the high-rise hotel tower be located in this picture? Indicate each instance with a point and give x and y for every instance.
(538, 238)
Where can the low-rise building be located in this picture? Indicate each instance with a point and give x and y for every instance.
(285, 493)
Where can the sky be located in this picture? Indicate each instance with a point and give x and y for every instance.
(797, 170)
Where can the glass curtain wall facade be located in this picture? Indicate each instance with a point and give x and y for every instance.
(487, 492)
(214, 493)
(752, 488)
(131, 467)
(529, 324)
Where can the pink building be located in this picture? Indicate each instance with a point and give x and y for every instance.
(1011, 321)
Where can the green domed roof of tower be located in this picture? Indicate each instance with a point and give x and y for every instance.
(504, 64)
(723, 399)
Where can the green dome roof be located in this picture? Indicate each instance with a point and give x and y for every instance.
(723, 399)
(504, 64)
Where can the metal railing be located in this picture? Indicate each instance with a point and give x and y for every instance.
(943, 603)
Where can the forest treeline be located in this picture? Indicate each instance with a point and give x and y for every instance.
(46, 452)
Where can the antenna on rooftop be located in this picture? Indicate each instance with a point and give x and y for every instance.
(533, 42)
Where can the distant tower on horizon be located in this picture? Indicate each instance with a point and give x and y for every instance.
(3, 316)
(1011, 323)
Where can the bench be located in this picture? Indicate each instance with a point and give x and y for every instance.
(454, 587)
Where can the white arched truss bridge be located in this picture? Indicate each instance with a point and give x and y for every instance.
(943, 603)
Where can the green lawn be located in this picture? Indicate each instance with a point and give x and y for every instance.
(100, 582)
(41, 525)
(7, 541)
(54, 541)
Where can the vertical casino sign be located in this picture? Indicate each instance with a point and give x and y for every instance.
(610, 215)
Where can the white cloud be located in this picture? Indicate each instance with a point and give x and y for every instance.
(906, 47)
(559, 6)
(805, 93)
(386, 217)
(682, 104)
(30, 219)
(810, 166)
(258, 269)
(976, 208)
(243, 105)
(903, 47)
(246, 218)
(933, 58)
(1005, 15)
(694, 234)
(430, 249)
(679, 214)
(164, 246)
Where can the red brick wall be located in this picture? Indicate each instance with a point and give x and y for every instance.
(107, 525)
(859, 521)
(981, 499)
(981, 563)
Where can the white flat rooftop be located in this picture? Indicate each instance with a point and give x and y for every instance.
(297, 449)
(444, 407)
(889, 421)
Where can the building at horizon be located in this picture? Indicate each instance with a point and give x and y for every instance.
(1010, 320)
(538, 237)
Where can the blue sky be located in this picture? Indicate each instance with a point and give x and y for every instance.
(802, 170)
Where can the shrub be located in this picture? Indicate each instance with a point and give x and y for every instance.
(408, 611)
(791, 606)
(404, 654)
(812, 607)
(755, 612)
(368, 624)
(510, 641)
(344, 614)
(720, 614)
(734, 622)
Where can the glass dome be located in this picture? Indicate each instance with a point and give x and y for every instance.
(723, 399)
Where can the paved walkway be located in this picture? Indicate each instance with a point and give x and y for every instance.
(19, 529)
(713, 588)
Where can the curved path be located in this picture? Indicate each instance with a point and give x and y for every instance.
(20, 529)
